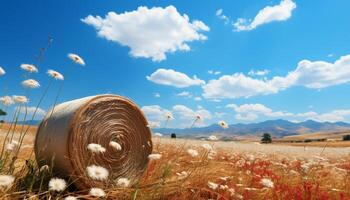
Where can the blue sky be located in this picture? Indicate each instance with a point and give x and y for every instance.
(144, 48)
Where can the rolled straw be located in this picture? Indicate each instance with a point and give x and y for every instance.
(63, 136)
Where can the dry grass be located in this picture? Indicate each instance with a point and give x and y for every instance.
(236, 168)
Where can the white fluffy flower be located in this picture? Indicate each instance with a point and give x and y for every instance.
(12, 146)
(97, 172)
(6, 180)
(212, 138)
(115, 145)
(223, 124)
(57, 184)
(6, 100)
(154, 156)
(20, 99)
(96, 148)
(169, 116)
(31, 83)
(182, 174)
(54, 74)
(70, 198)
(29, 68)
(77, 59)
(2, 71)
(97, 192)
(212, 185)
(123, 182)
(267, 182)
(192, 152)
(208, 147)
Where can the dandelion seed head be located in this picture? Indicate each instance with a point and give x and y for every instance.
(115, 145)
(169, 116)
(267, 183)
(6, 180)
(20, 99)
(192, 152)
(54, 74)
(97, 172)
(77, 59)
(12, 146)
(212, 185)
(123, 182)
(96, 148)
(208, 147)
(57, 184)
(154, 156)
(44, 168)
(6, 100)
(223, 124)
(97, 192)
(29, 68)
(70, 198)
(31, 83)
(2, 71)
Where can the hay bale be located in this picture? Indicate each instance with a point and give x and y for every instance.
(63, 136)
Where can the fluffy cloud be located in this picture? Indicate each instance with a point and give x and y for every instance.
(155, 112)
(31, 109)
(258, 72)
(173, 78)
(184, 94)
(214, 72)
(332, 116)
(314, 75)
(187, 115)
(149, 32)
(280, 12)
(251, 112)
(219, 13)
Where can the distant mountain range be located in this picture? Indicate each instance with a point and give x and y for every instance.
(277, 128)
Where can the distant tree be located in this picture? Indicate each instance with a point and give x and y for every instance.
(346, 137)
(2, 112)
(173, 135)
(266, 138)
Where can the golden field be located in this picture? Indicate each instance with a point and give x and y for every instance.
(221, 170)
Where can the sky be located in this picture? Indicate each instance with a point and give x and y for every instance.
(239, 61)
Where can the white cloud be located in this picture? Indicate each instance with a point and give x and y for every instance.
(187, 114)
(31, 109)
(155, 112)
(214, 72)
(220, 15)
(156, 95)
(149, 32)
(314, 75)
(173, 78)
(184, 94)
(332, 116)
(198, 99)
(280, 12)
(258, 72)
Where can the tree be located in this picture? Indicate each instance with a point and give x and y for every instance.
(346, 137)
(173, 135)
(2, 112)
(266, 138)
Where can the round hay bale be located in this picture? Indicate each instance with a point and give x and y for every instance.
(64, 134)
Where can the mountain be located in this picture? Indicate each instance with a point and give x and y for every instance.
(30, 122)
(277, 128)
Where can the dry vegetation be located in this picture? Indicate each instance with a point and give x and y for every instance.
(221, 170)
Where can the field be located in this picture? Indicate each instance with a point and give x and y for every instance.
(193, 169)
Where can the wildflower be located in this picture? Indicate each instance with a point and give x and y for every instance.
(20, 99)
(96, 148)
(223, 187)
(77, 59)
(212, 185)
(6, 180)
(123, 182)
(223, 124)
(266, 182)
(2, 71)
(115, 145)
(54, 74)
(31, 83)
(158, 134)
(12, 146)
(192, 152)
(169, 116)
(182, 174)
(6, 100)
(70, 198)
(211, 154)
(57, 184)
(208, 147)
(29, 68)
(154, 156)
(97, 192)
(212, 138)
(97, 172)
